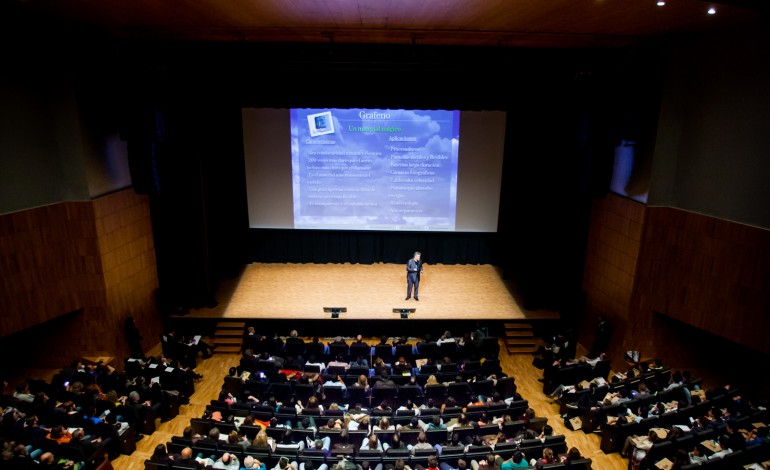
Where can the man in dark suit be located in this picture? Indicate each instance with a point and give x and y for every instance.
(413, 271)
(602, 339)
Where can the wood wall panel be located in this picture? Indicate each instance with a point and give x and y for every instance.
(127, 251)
(698, 296)
(50, 259)
(710, 273)
(611, 260)
(70, 273)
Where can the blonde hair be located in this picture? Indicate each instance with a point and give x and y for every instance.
(362, 380)
(431, 380)
(261, 439)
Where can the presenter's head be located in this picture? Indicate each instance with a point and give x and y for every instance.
(417, 256)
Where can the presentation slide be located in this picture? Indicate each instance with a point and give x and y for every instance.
(374, 169)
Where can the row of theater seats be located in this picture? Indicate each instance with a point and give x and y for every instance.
(573, 374)
(289, 391)
(28, 424)
(448, 371)
(264, 413)
(186, 354)
(626, 387)
(681, 416)
(169, 378)
(732, 461)
(532, 448)
(739, 459)
(614, 436)
(274, 384)
(488, 346)
(202, 426)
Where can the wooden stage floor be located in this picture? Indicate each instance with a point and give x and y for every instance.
(282, 291)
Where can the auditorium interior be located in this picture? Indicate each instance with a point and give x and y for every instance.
(615, 316)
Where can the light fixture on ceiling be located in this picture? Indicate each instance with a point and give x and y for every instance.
(661, 3)
(712, 11)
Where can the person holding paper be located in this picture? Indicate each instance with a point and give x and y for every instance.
(413, 271)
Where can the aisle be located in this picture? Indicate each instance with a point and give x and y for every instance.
(213, 370)
(520, 366)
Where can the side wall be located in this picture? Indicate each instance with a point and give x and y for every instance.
(684, 287)
(69, 275)
(706, 272)
(612, 255)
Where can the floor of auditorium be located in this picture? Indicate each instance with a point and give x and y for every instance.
(516, 365)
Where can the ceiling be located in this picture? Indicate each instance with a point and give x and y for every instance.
(527, 23)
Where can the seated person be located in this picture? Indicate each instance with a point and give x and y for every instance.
(572, 454)
(724, 444)
(445, 338)
(373, 443)
(453, 444)
(338, 363)
(320, 444)
(197, 345)
(360, 361)
(262, 441)
(277, 360)
(518, 460)
(638, 448)
(546, 459)
(422, 443)
(490, 463)
(435, 423)
(227, 461)
(338, 340)
(185, 457)
(59, 434)
(287, 441)
(249, 462)
(696, 456)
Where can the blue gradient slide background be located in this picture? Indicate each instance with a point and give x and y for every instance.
(374, 169)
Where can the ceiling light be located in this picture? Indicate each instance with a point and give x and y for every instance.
(661, 3)
(712, 11)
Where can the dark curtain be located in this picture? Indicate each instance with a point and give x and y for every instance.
(303, 246)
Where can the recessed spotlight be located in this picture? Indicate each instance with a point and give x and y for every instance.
(712, 11)
(661, 3)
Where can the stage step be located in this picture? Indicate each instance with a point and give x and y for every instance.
(520, 337)
(522, 349)
(228, 336)
(229, 341)
(521, 333)
(518, 326)
(522, 341)
(229, 333)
